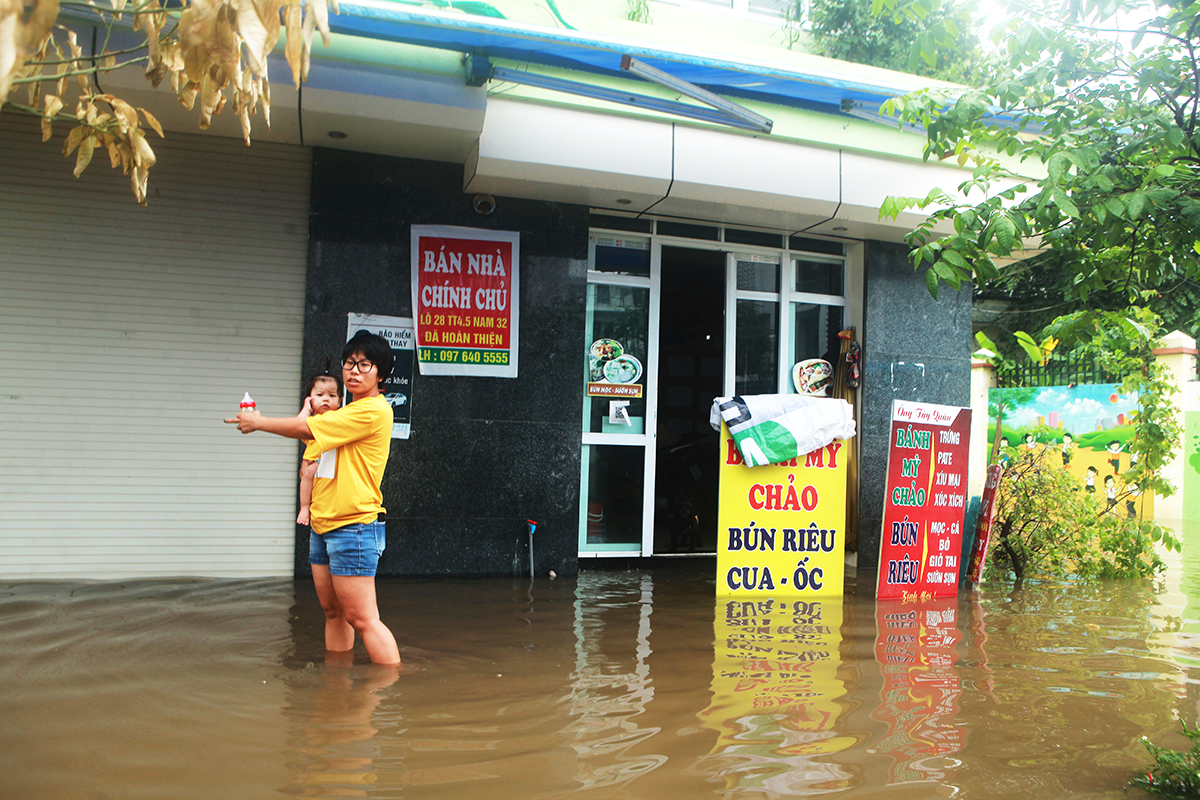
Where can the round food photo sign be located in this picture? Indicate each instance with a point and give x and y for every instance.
(611, 371)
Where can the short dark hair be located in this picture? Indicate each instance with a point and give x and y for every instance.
(312, 382)
(374, 348)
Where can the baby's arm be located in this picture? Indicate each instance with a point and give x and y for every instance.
(308, 469)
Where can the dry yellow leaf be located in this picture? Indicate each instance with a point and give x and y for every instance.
(143, 154)
(74, 138)
(86, 148)
(52, 106)
(126, 112)
(266, 102)
(47, 129)
(320, 13)
(254, 34)
(138, 178)
(152, 121)
(293, 51)
(187, 96)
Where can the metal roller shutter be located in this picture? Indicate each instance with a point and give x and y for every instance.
(126, 335)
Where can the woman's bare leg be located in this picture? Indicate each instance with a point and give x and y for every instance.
(339, 634)
(356, 596)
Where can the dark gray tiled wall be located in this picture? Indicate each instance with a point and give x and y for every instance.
(485, 453)
(914, 348)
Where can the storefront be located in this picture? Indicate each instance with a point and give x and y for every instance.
(679, 313)
(665, 259)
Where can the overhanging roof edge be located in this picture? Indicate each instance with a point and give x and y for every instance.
(599, 54)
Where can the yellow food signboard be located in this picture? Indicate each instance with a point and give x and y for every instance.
(780, 527)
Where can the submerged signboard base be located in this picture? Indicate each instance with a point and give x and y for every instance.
(780, 527)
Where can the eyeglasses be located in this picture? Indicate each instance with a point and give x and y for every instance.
(364, 366)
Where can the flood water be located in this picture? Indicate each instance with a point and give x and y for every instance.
(633, 685)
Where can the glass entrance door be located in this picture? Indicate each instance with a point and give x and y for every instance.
(671, 323)
(618, 457)
(691, 370)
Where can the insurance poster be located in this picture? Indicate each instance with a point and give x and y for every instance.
(397, 389)
(465, 290)
(780, 527)
(924, 502)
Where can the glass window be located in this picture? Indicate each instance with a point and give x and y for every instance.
(819, 277)
(632, 224)
(814, 333)
(758, 238)
(688, 231)
(815, 246)
(757, 357)
(621, 256)
(773, 7)
(614, 483)
(618, 321)
(755, 274)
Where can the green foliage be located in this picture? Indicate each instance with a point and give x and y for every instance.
(639, 11)
(1175, 773)
(936, 39)
(1123, 344)
(1046, 527)
(1079, 143)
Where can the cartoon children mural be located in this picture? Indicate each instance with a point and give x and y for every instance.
(1114, 450)
(1088, 427)
(1029, 445)
(1135, 492)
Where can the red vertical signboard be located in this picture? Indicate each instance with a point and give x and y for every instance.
(983, 523)
(926, 496)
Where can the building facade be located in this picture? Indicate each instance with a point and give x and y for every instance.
(717, 256)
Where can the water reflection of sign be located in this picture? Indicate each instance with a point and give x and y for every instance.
(925, 498)
(397, 389)
(915, 649)
(775, 695)
(465, 289)
(779, 526)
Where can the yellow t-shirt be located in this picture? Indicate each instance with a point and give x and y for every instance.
(362, 433)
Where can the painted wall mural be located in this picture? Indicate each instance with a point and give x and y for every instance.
(1087, 430)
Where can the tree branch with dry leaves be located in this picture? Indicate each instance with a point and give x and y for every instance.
(211, 51)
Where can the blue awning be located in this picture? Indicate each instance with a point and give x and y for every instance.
(573, 50)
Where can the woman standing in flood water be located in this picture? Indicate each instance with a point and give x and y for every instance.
(347, 536)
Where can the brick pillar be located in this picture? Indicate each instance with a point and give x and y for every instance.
(1177, 352)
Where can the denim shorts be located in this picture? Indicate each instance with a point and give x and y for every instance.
(350, 549)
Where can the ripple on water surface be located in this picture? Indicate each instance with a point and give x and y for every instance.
(612, 684)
